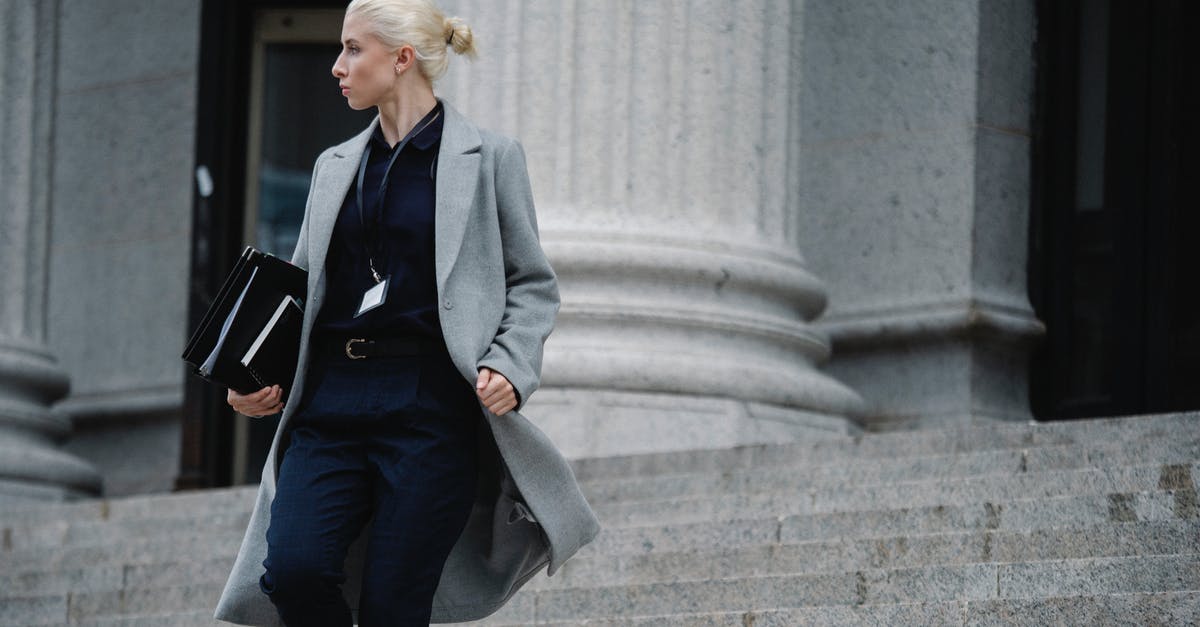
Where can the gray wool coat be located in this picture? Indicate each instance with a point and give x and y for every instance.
(498, 300)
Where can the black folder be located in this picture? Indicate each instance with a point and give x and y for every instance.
(250, 336)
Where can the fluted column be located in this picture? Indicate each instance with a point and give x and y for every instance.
(661, 145)
(30, 380)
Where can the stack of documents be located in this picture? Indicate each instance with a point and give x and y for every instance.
(250, 337)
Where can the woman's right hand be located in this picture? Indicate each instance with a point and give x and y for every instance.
(264, 402)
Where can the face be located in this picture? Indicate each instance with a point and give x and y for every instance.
(366, 69)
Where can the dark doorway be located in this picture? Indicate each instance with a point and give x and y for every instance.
(1113, 270)
(267, 106)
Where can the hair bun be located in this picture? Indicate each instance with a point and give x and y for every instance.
(459, 36)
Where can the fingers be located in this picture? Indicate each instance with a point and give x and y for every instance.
(495, 392)
(264, 402)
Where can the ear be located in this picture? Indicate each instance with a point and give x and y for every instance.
(405, 57)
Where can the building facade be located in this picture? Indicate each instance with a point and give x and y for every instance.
(771, 219)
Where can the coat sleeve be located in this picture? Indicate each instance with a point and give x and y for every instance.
(531, 289)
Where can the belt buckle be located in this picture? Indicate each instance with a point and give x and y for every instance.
(350, 348)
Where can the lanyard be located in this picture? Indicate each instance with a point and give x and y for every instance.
(371, 239)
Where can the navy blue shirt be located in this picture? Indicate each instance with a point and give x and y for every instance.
(405, 252)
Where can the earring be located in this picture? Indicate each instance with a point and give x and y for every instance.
(397, 69)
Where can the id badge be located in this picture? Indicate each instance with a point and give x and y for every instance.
(373, 297)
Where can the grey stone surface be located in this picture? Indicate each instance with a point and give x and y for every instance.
(119, 250)
(1112, 540)
(863, 552)
(930, 583)
(668, 214)
(901, 106)
(130, 551)
(30, 611)
(199, 618)
(59, 582)
(31, 465)
(1164, 573)
(690, 597)
(1132, 609)
(719, 595)
(101, 533)
(826, 494)
(1167, 608)
(785, 555)
(112, 43)
(88, 605)
(134, 457)
(160, 574)
(183, 504)
(931, 614)
(1139, 433)
(122, 112)
(886, 471)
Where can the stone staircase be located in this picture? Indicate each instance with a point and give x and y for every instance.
(1087, 522)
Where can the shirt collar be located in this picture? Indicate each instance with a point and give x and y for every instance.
(423, 140)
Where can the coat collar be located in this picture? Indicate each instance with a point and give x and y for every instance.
(457, 175)
(457, 170)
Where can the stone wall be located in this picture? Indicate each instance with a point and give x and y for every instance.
(124, 119)
(31, 379)
(914, 167)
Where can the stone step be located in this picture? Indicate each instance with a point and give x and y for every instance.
(758, 528)
(1096, 434)
(972, 582)
(190, 598)
(943, 614)
(1128, 431)
(1014, 515)
(144, 517)
(1123, 505)
(34, 611)
(98, 532)
(838, 494)
(123, 552)
(804, 557)
(1166, 608)
(109, 576)
(177, 505)
(732, 499)
(933, 584)
(198, 618)
(902, 469)
(889, 552)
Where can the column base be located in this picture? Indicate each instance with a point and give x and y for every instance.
(30, 462)
(586, 422)
(937, 365)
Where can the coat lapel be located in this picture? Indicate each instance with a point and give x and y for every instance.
(457, 176)
(333, 182)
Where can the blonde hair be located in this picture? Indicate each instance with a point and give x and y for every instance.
(420, 24)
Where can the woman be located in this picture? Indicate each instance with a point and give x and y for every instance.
(429, 300)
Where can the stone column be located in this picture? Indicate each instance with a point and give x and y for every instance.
(30, 380)
(662, 146)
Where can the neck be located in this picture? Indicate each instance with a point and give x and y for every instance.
(398, 115)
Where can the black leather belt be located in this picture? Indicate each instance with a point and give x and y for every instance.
(366, 348)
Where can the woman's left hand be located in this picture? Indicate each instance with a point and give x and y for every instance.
(495, 392)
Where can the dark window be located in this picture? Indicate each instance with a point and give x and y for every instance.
(1113, 269)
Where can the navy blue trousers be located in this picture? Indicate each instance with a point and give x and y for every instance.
(393, 439)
